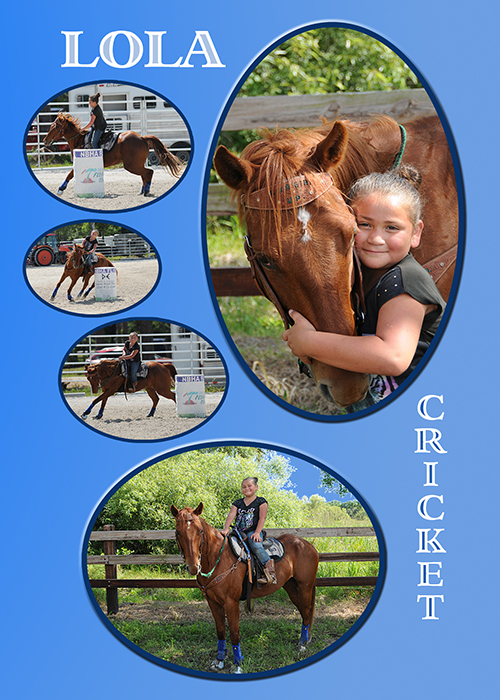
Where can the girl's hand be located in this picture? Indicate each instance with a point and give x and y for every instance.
(298, 337)
(255, 536)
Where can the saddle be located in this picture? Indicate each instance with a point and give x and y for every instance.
(274, 548)
(142, 372)
(106, 142)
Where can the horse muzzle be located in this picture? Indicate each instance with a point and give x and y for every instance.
(194, 569)
(340, 387)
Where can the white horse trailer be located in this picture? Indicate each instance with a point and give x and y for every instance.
(131, 108)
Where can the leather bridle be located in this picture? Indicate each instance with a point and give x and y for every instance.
(293, 193)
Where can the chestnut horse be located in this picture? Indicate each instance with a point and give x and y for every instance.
(300, 232)
(131, 149)
(74, 269)
(220, 576)
(105, 375)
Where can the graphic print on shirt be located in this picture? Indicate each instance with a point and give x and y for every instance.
(244, 519)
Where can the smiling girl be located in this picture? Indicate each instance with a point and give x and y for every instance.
(403, 305)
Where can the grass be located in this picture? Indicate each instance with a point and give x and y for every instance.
(225, 242)
(176, 625)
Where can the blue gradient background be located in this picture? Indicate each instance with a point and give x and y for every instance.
(56, 471)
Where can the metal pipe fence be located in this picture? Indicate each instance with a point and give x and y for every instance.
(189, 353)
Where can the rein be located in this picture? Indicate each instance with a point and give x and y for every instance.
(218, 578)
(102, 384)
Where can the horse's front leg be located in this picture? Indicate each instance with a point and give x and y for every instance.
(73, 282)
(86, 280)
(69, 177)
(220, 624)
(63, 277)
(233, 621)
(89, 290)
(103, 397)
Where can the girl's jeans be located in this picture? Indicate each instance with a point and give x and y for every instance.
(96, 135)
(258, 548)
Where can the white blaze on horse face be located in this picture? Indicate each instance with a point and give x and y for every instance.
(303, 216)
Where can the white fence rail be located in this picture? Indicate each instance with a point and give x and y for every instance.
(189, 353)
(121, 245)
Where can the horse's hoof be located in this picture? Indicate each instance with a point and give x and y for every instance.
(98, 417)
(216, 665)
(301, 648)
(236, 669)
(85, 416)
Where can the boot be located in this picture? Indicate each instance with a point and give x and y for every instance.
(269, 573)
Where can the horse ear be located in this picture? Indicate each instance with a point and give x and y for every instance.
(234, 171)
(199, 509)
(331, 150)
(174, 511)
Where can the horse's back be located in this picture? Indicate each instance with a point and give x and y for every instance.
(303, 555)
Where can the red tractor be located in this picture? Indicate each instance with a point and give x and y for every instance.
(47, 251)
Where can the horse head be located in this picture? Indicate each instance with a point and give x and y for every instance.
(300, 235)
(92, 375)
(189, 535)
(102, 371)
(77, 254)
(60, 127)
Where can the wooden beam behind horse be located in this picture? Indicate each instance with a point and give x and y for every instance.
(74, 269)
(220, 576)
(105, 375)
(291, 189)
(131, 149)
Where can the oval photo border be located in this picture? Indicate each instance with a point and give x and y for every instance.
(461, 227)
(108, 211)
(244, 676)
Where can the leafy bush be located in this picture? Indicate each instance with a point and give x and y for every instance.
(212, 476)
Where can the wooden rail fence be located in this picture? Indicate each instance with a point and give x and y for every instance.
(296, 111)
(109, 536)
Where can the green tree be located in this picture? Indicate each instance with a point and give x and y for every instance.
(212, 476)
(327, 60)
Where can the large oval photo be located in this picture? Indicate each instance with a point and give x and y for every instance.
(327, 130)
(166, 561)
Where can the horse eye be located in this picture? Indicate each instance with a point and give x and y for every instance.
(266, 263)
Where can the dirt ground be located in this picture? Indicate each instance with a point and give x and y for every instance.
(136, 278)
(192, 611)
(121, 188)
(125, 417)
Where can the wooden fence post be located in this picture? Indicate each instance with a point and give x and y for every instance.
(110, 572)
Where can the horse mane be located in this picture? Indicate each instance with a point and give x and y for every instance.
(74, 121)
(106, 367)
(286, 153)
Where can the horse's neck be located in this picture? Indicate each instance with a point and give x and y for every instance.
(73, 134)
(211, 545)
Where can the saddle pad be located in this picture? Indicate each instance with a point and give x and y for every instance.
(274, 548)
(108, 140)
(142, 372)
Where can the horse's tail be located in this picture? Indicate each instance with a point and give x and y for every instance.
(167, 159)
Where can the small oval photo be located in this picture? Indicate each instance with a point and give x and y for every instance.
(143, 379)
(234, 560)
(92, 268)
(108, 146)
(331, 147)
